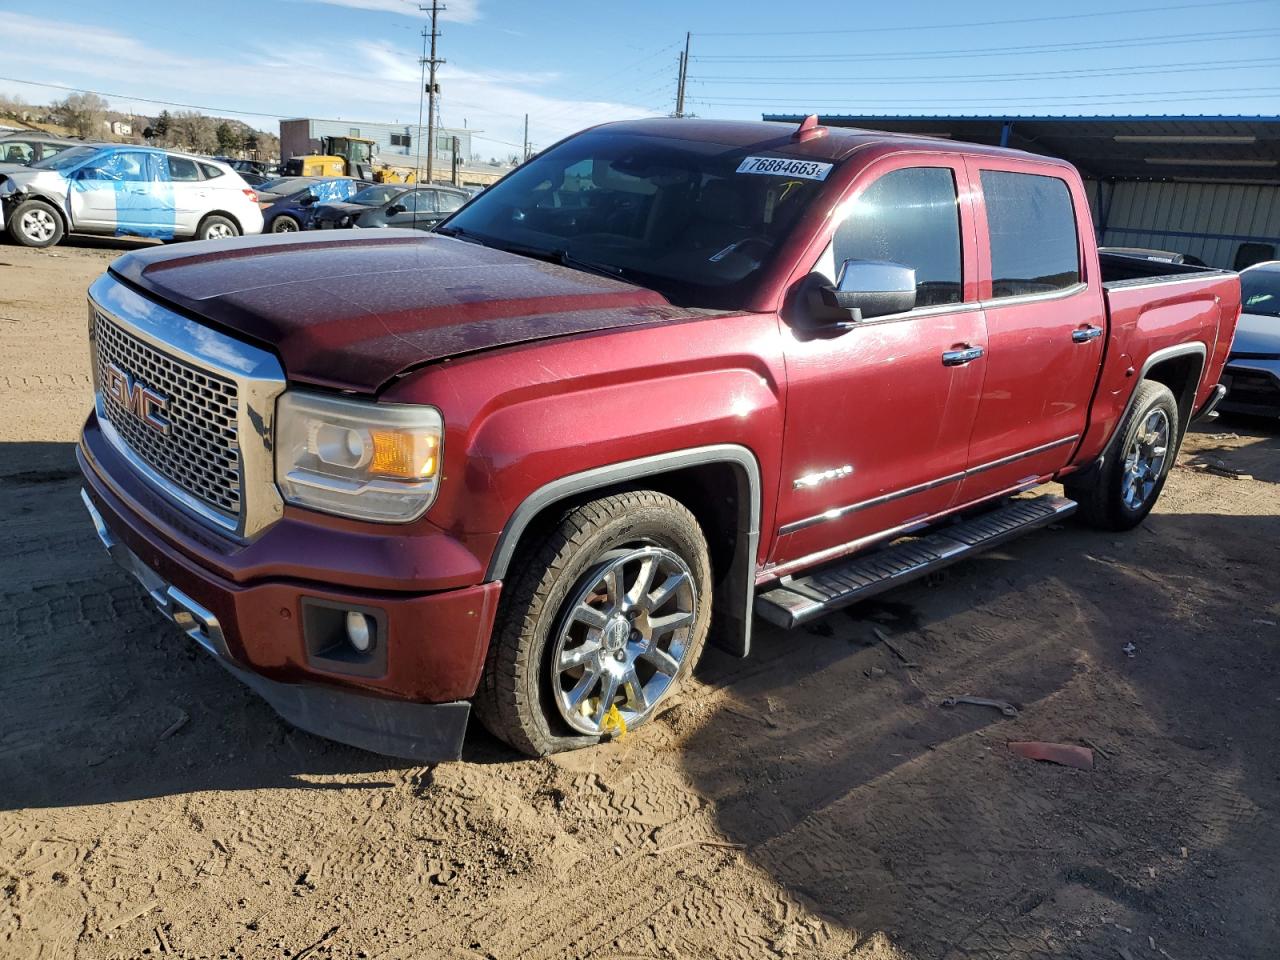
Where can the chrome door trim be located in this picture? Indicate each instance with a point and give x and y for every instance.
(1060, 294)
(835, 513)
(1003, 461)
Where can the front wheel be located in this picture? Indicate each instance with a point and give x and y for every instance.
(35, 223)
(1121, 494)
(602, 622)
(285, 224)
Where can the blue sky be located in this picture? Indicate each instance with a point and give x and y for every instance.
(570, 64)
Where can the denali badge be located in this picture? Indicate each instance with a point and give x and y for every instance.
(136, 397)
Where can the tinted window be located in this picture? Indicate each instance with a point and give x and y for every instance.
(1260, 292)
(210, 171)
(910, 217)
(694, 219)
(180, 168)
(1034, 248)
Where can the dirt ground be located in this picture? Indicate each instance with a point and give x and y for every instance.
(811, 801)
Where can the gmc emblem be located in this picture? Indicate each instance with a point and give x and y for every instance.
(137, 398)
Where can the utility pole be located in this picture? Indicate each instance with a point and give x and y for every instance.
(429, 86)
(457, 145)
(683, 76)
(526, 137)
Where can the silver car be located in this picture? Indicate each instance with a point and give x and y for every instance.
(124, 190)
(1252, 377)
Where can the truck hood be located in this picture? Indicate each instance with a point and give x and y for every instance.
(351, 310)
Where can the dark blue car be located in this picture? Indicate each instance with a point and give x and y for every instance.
(292, 211)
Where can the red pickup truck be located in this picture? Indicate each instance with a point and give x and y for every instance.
(666, 376)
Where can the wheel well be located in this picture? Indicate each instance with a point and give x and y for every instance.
(66, 227)
(220, 213)
(1181, 374)
(723, 498)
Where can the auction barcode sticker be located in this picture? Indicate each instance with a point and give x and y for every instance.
(781, 167)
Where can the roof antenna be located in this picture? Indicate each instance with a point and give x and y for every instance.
(809, 129)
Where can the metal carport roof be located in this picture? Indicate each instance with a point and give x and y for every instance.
(1217, 149)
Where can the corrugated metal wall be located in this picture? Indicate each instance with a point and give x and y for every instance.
(300, 142)
(1207, 220)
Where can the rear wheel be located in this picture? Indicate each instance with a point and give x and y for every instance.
(1121, 494)
(217, 227)
(285, 224)
(603, 621)
(35, 223)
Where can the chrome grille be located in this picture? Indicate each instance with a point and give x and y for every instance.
(201, 453)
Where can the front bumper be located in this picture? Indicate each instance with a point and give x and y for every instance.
(424, 732)
(1253, 386)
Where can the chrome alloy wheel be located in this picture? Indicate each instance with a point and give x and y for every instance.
(38, 225)
(623, 637)
(1144, 460)
(218, 231)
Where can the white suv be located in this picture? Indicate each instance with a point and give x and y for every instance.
(126, 191)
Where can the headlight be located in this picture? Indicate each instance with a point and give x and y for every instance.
(355, 458)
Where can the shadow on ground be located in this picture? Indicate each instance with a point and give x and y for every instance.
(850, 785)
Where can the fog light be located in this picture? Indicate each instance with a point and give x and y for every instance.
(359, 630)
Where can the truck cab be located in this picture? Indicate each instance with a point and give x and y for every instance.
(667, 377)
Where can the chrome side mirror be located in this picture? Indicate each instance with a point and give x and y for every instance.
(875, 288)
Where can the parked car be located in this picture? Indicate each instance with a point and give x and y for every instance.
(667, 375)
(254, 180)
(1253, 369)
(293, 211)
(24, 148)
(126, 191)
(274, 188)
(391, 205)
(262, 168)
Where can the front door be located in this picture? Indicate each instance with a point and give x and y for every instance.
(878, 414)
(1045, 326)
(116, 192)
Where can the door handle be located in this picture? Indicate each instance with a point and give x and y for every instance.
(1085, 334)
(958, 358)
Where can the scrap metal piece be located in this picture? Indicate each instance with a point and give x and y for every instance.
(1008, 709)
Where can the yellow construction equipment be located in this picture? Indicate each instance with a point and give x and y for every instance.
(341, 157)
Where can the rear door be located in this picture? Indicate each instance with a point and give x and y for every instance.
(1045, 320)
(878, 413)
(189, 192)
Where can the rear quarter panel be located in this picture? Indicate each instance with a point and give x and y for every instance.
(1148, 317)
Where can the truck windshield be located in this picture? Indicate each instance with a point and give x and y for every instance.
(694, 220)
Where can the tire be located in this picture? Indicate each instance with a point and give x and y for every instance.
(1123, 491)
(526, 703)
(35, 223)
(285, 224)
(217, 227)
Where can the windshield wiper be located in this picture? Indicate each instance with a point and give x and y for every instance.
(459, 234)
(567, 259)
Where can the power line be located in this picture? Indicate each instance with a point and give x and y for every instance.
(954, 25)
(1193, 66)
(1003, 51)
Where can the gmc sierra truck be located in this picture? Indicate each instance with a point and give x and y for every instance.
(667, 376)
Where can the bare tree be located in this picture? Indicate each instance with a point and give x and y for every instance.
(83, 113)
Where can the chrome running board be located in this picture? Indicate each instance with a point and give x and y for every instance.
(797, 600)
